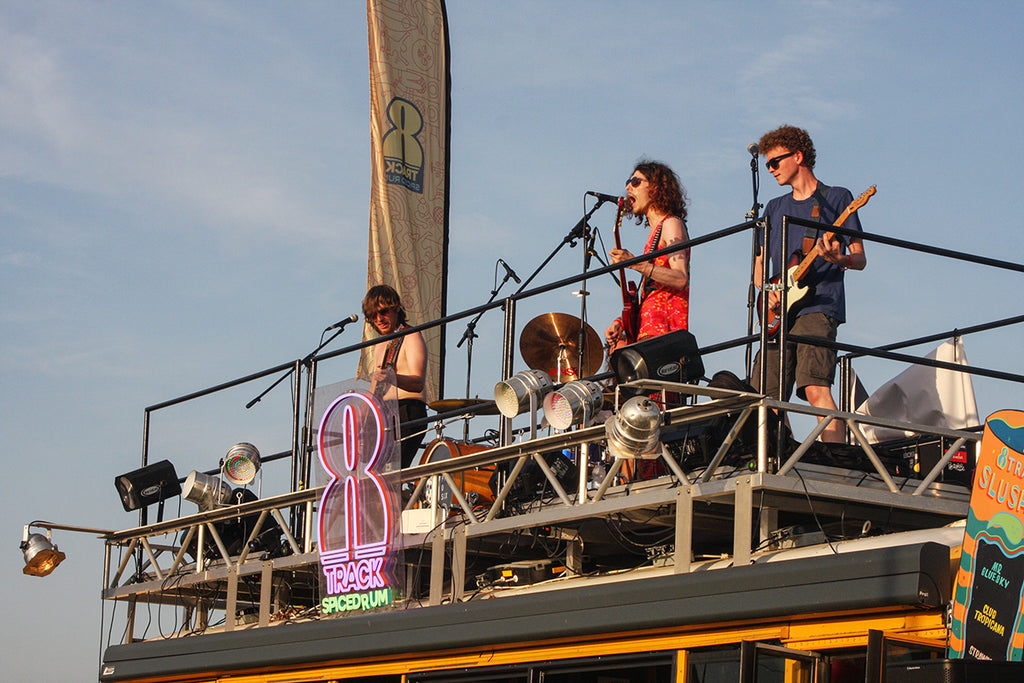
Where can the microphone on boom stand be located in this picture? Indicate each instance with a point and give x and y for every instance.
(340, 326)
(604, 197)
(342, 323)
(509, 272)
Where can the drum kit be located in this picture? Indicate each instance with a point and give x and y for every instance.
(555, 343)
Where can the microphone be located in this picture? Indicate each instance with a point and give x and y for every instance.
(605, 197)
(341, 323)
(511, 273)
(752, 148)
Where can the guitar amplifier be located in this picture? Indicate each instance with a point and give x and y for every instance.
(915, 458)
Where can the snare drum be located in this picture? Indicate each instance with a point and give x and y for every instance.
(475, 483)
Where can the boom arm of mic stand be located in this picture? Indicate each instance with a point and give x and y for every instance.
(305, 361)
(578, 232)
(470, 332)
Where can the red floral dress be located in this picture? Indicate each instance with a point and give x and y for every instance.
(663, 309)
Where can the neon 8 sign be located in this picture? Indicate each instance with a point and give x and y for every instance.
(356, 520)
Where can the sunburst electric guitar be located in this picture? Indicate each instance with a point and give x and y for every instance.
(797, 269)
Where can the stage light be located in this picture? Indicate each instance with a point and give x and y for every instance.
(41, 555)
(635, 431)
(574, 403)
(206, 491)
(514, 394)
(150, 484)
(241, 464)
(672, 357)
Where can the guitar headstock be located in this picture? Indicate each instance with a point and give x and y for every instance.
(862, 199)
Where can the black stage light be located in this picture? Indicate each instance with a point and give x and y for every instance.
(151, 484)
(672, 357)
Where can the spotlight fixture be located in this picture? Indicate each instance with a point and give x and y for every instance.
(150, 484)
(241, 464)
(635, 431)
(41, 554)
(206, 491)
(513, 396)
(672, 357)
(574, 403)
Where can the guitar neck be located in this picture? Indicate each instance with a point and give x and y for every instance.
(805, 265)
(618, 245)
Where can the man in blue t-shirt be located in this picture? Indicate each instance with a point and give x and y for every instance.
(790, 158)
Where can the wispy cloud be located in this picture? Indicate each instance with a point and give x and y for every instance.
(200, 141)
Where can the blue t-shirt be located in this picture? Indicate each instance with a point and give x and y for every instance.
(828, 295)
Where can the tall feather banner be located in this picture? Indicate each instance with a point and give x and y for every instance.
(410, 120)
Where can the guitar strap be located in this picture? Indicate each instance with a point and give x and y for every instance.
(820, 199)
(646, 284)
(391, 352)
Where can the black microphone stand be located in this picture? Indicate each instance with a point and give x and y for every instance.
(580, 231)
(752, 215)
(305, 361)
(470, 333)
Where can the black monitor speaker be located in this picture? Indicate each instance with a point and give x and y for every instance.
(150, 484)
(672, 357)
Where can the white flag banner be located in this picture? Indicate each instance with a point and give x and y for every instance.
(925, 395)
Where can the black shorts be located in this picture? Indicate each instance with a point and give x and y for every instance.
(807, 364)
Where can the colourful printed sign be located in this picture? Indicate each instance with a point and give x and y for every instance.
(357, 521)
(987, 616)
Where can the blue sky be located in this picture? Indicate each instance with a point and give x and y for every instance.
(184, 191)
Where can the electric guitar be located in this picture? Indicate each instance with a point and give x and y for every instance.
(630, 300)
(797, 269)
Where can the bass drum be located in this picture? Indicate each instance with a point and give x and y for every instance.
(475, 483)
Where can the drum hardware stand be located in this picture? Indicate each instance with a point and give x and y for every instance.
(470, 334)
(589, 237)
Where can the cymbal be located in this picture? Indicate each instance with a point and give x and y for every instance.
(552, 341)
(446, 405)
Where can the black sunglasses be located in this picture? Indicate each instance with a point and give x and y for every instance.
(773, 163)
(634, 181)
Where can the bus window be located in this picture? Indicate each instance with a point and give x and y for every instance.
(713, 665)
(763, 663)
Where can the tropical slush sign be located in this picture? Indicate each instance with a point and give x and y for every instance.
(987, 616)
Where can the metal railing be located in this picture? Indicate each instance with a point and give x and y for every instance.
(191, 550)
